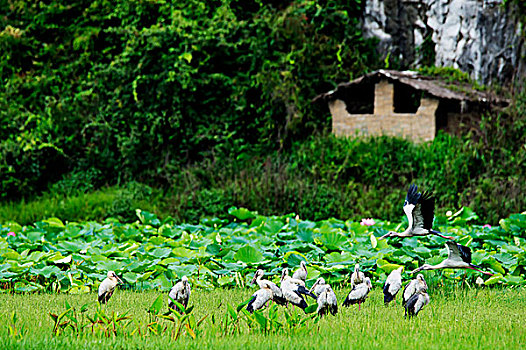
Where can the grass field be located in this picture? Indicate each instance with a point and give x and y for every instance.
(456, 318)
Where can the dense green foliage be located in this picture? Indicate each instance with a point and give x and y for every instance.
(319, 178)
(467, 318)
(73, 257)
(132, 89)
(186, 109)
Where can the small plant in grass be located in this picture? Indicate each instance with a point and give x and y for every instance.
(16, 332)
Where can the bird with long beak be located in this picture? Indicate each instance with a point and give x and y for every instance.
(392, 285)
(107, 287)
(357, 276)
(180, 293)
(301, 273)
(420, 211)
(359, 293)
(326, 300)
(277, 293)
(458, 257)
(416, 303)
(293, 289)
(259, 299)
(414, 286)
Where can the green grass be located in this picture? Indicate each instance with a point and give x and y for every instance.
(95, 205)
(456, 318)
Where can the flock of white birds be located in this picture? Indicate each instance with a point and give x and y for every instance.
(419, 209)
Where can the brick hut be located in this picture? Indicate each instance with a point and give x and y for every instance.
(405, 104)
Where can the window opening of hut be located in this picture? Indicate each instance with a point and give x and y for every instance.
(406, 99)
(359, 99)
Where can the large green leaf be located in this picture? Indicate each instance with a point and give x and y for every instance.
(161, 252)
(157, 305)
(333, 240)
(110, 265)
(249, 255)
(241, 213)
(46, 271)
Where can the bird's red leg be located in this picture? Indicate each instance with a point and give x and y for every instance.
(446, 237)
(359, 304)
(484, 272)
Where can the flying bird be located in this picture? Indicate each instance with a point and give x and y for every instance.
(357, 276)
(415, 304)
(180, 293)
(277, 293)
(327, 301)
(359, 293)
(392, 285)
(420, 211)
(458, 257)
(414, 286)
(294, 289)
(301, 273)
(107, 287)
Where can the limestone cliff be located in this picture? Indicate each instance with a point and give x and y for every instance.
(481, 37)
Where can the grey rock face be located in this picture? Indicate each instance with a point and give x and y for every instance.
(480, 37)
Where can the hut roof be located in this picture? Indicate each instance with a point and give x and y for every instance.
(436, 87)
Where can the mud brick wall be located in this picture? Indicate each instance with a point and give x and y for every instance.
(419, 127)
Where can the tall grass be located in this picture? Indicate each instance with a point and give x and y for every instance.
(456, 318)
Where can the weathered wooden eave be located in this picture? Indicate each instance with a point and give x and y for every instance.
(431, 86)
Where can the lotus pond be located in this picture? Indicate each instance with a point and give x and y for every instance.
(71, 257)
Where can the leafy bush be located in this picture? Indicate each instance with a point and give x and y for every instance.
(134, 89)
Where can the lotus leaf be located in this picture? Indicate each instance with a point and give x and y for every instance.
(161, 252)
(225, 280)
(147, 218)
(110, 265)
(130, 277)
(241, 213)
(294, 258)
(334, 240)
(46, 271)
(248, 254)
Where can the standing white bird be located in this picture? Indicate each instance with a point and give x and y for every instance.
(259, 299)
(359, 293)
(458, 257)
(327, 301)
(293, 289)
(392, 285)
(107, 287)
(180, 293)
(277, 293)
(415, 286)
(357, 276)
(416, 303)
(420, 211)
(301, 273)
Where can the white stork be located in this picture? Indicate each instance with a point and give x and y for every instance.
(180, 293)
(392, 285)
(359, 293)
(415, 286)
(420, 211)
(327, 301)
(277, 294)
(301, 273)
(259, 299)
(458, 257)
(357, 276)
(107, 287)
(416, 303)
(293, 289)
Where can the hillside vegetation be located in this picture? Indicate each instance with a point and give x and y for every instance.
(185, 109)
